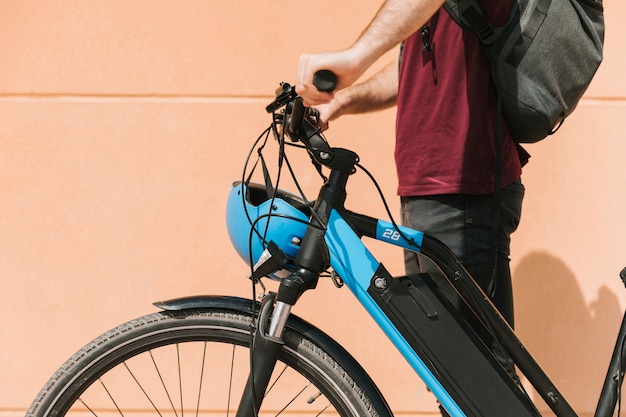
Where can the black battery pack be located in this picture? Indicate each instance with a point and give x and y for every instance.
(449, 346)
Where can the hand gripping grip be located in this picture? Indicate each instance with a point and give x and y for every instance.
(325, 80)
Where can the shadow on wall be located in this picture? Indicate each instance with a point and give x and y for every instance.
(570, 338)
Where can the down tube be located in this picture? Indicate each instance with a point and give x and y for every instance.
(356, 266)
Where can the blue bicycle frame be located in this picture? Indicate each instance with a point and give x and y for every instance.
(356, 266)
(417, 313)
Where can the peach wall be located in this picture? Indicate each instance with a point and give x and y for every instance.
(123, 123)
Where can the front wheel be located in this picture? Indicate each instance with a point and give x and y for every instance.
(196, 363)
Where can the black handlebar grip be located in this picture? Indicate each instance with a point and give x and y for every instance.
(325, 80)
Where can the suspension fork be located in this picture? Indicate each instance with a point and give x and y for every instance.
(266, 345)
(268, 338)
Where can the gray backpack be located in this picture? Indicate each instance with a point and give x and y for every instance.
(542, 60)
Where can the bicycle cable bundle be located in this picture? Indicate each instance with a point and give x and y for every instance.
(273, 220)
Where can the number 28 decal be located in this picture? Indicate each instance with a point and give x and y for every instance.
(391, 234)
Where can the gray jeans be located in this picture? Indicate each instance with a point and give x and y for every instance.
(464, 224)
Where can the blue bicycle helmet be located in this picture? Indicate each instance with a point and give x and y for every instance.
(280, 226)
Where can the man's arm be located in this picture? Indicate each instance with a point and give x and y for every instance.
(376, 93)
(395, 21)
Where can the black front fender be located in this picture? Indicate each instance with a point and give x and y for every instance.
(207, 301)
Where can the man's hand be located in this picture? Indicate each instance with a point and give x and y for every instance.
(344, 64)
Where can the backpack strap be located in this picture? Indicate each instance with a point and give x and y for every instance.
(471, 15)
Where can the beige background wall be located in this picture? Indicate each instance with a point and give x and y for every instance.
(122, 124)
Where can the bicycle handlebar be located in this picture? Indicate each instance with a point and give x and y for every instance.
(296, 118)
(324, 80)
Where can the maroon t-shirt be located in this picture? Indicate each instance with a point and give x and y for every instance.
(447, 106)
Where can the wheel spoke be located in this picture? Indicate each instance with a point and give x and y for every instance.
(141, 387)
(87, 407)
(167, 392)
(180, 380)
(293, 399)
(273, 384)
(230, 380)
(323, 409)
(201, 379)
(110, 396)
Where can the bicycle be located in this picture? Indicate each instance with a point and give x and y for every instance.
(170, 362)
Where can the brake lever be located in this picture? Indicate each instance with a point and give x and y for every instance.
(284, 94)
